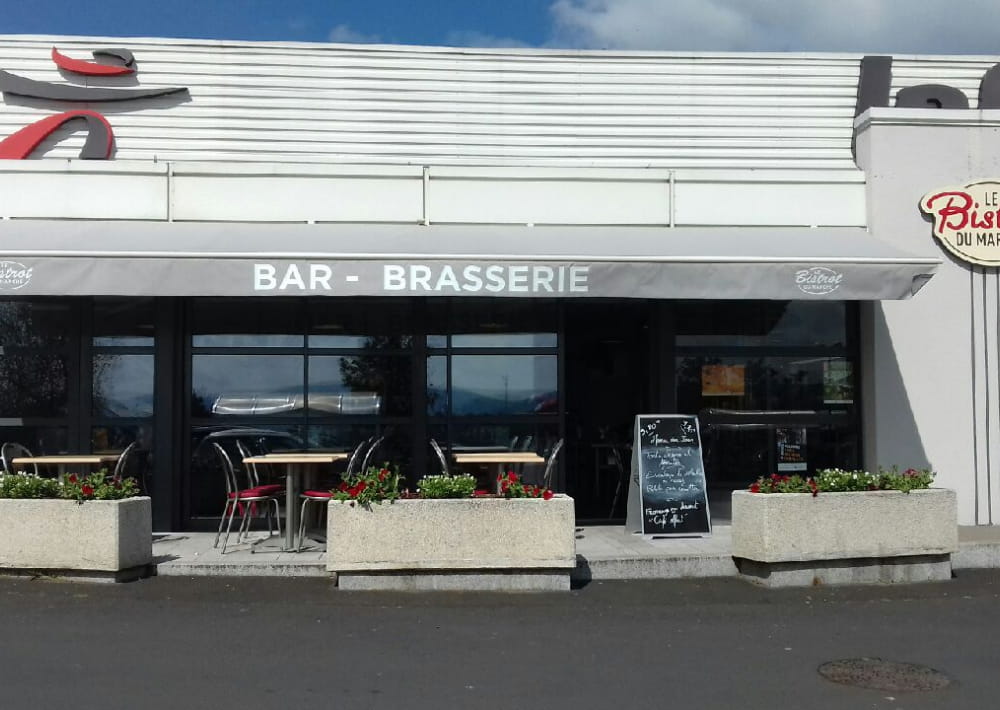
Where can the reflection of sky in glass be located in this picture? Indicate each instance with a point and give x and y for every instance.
(245, 375)
(123, 341)
(495, 384)
(259, 340)
(496, 340)
(123, 385)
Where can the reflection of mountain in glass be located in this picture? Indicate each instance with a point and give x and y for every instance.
(466, 402)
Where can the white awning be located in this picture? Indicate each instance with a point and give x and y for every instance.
(78, 258)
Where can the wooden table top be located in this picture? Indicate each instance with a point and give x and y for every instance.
(499, 457)
(68, 458)
(297, 458)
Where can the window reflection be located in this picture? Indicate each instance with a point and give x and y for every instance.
(764, 383)
(123, 322)
(248, 323)
(123, 385)
(33, 385)
(761, 323)
(493, 384)
(33, 323)
(518, 323)
(364, 323)
(360, 384)
(39, 440)
(256, 385)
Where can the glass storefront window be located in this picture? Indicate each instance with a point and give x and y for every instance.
(494, 324)
(38, 439)
(123, 322)
(248, 323)
(246, 385)
(33, 384)
(761, 323)
(34, 324)
(363, 324)
(360, 385)
(764, 383)
(123, 385)
(498, 384)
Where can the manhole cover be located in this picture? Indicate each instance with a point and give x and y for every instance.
(879, 674)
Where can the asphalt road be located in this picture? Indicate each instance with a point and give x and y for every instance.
(294, 643)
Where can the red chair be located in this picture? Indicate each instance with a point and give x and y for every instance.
(245, 501)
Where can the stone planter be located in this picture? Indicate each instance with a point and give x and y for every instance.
(469, 543)
(110, 539)
(795, 539)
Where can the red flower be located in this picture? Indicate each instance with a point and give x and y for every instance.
(382, 474)
(72, 478)
(87, 490)
(547, 495)
(511, 476)
(755, 488)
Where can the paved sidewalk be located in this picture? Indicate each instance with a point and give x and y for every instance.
(604, 552)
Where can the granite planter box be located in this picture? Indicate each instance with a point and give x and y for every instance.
(796, 539)
(99, 539)
(468, 543)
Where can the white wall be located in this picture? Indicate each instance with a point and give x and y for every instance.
(270, 192)
(934, 361)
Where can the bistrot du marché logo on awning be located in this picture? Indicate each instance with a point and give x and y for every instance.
(13, 275)
(818, 280)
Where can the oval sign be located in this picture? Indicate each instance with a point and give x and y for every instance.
(13, 275)
(967, 220)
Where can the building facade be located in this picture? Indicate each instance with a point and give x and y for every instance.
(493, 248)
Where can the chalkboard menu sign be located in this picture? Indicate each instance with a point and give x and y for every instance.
(667, 494)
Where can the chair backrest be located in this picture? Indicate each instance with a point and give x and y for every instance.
(550, 464)
(440, 456)
(370, 455)
(12, 450)
(232, 485)
(526, 443)
(356, 456)
(251, 468)
(121, 465)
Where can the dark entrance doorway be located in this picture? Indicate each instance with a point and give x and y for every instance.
(607, 363)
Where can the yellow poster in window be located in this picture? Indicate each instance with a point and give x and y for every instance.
(723, 380)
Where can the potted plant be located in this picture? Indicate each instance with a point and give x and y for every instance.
(444, 536)
(844, 527)
(87, 526)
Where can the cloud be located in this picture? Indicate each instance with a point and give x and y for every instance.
(474, 38)
(917, 26)
(344, 34)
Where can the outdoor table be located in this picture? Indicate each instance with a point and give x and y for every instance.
(295, 466)
(499, 458)
(61, 461)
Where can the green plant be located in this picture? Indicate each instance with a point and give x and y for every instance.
(375, 485)
(462, 485)
(97, 486)
(835, 480)
(511, 486)
(28, 485)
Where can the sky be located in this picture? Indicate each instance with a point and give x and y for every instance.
(882, 26)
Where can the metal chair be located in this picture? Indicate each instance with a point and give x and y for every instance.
(253, 473)
(357, 456)
(550, 464)
(618, 453)
(307, 498)
(440, 457)
(243, 499)
(370, 456)
(12, 450)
